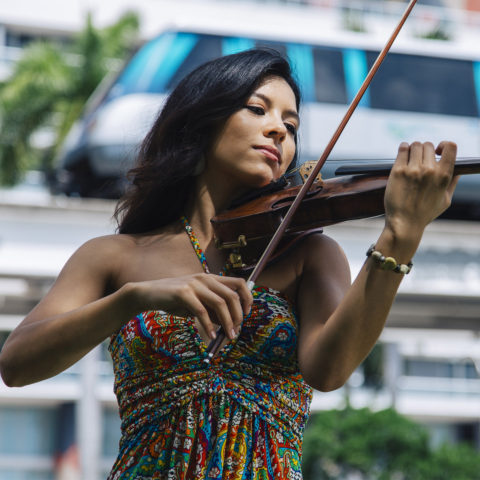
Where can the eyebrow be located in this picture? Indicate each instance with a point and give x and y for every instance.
(289, 112)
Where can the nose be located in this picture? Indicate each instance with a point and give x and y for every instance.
(276, 129)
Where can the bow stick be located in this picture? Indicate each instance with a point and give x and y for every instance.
(215, 344)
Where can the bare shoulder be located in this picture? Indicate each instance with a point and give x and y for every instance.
(324, 280)
(321, 252)
(98, 259)
(87, 276)
(109, 244)
(313, 259)
(320, 240)
(325, 274)
(102, 250)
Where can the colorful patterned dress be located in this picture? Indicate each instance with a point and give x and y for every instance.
(241, 416)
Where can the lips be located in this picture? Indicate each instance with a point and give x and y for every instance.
(270, 152)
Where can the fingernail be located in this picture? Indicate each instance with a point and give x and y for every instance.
(233, 333)
(213, 334)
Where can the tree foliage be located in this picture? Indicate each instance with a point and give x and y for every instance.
(48, 89)
(366, 445)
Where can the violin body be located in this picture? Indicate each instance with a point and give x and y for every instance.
(327, 202)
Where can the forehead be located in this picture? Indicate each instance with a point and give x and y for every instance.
(277, 89)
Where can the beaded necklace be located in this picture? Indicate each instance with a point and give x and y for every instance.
(196, 246)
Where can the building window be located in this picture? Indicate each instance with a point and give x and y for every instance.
(19, 39)
(110, 438)
(27, 442)
(111, 432)
(440, 369)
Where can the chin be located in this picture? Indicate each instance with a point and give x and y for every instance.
(260, 183)
(261, 179)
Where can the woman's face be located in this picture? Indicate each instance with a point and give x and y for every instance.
(257, 143)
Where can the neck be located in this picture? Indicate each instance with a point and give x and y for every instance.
(208, 198)
(204, 204)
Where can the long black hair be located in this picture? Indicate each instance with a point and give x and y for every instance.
(163, 176)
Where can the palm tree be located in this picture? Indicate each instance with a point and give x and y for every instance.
(48, 89)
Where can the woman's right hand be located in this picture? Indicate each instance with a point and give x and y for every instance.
(212, 299)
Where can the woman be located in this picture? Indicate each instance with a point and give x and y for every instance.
(230, 126)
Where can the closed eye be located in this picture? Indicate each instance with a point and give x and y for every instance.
(261, 111)
(256, 110)
(291, 128)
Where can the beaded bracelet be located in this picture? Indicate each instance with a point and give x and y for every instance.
(388, 263)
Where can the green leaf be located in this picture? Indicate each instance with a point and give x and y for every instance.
(48, 90)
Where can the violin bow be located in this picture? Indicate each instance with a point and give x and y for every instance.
(262, 262)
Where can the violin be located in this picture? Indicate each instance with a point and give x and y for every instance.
(357, 192)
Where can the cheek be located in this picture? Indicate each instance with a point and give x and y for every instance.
(224, 149)
(290, 150)
(234, 139)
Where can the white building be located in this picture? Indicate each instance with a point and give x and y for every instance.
(431, 346)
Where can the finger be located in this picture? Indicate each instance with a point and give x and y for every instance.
(429, 154)
(196, 308)
(201, 302)
(446, 145)
(218, 299)
(230, 295)
(416, 154)
(448, 154)
(403, 154)
(244, 293)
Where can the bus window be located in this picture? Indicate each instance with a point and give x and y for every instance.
(206, 48)
(152, 67)
(416, 83)
(329, 75)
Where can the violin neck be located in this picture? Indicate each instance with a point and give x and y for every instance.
(463, 166)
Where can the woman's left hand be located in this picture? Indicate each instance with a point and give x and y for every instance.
(341, 323)
(419, 188)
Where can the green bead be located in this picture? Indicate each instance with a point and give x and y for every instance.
(390, 263)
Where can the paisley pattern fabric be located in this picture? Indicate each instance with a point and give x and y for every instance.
(241, 416)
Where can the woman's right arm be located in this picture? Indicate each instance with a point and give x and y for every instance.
(77, 314)
(72, 318)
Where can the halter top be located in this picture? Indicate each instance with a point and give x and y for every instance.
(241, 416)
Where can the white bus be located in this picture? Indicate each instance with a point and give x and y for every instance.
(425, 90)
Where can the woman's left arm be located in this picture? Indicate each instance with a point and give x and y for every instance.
(340, 323)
